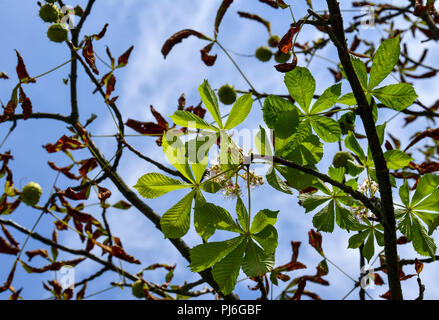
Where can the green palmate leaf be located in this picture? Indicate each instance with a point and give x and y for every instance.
(226, 272)
(396, 96)
(405, 225)
(176, 221)
(396, 159)
(153, 185)
(369, 246)
(240, 111)
(283, 145)
(311, 201)
(360, 69)
(210, 100)
(337, 174)
(274, 107)
(357, 239)
(189, 120)
(326, 128)
(426, 185)
(262, 143)
(430, 203)
(197, 151)
(296, 179)
(385, 59)
(352, 144)
(276, 182)
(210, 187)
(422, 242)
(404, 193)
(206, 255)
(301, 86)
(257, 261)
(175, 152)
(324, 219)
(216, 217)
(204, 230)
(348, 99)
(309, 152)
(344, 218)
(327, 99)
(262, 219)
(267, 238)
(281, 115)
(243, 216)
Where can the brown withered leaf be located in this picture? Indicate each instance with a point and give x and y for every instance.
(9, 236)
(257, 18)
(15, 295)
(271, 3)
(429, 133)
(286, 43)
(81, 293)
(26, 104)
(288, 66)
(101, 34)
(209, 60)
(103, 194)
(123, 59)
(8, 282)
(89, 56)
(55, 266)
(419, 266)
(3, 75)
(182, 102)
(110, 85)
(73, 195)
(178, 37)
(426, 167)
(378, 280)
(39, 252)
(65, 171)
(22, 73)
(295, 246)
(8, 248)
(386, 295)
(110, 56)
(337, 74)
(315, 240)
(198, 110)
(150, 128)
(402, 240)
(117, 252)
(63, 144)
(87, 165)
(225, 4)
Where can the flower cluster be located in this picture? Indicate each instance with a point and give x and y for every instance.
(368, 188)
(229, 185)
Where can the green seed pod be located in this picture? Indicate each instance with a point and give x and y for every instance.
(341, 159)
(57, 32)
(273, 41)
(227, 94)
(31, 193)
(138, 289)
(49, 13)
(281, 57)
(263, 54)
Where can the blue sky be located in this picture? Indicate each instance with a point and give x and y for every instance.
(151, 80)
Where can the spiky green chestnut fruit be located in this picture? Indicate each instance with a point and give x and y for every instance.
(31, 193)
(263, 54)
(49, 12)
(273, 41)
(227, 94)
(138, 289)
(51, 1)
(341, 159)
(282, 57)
(57, 32)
